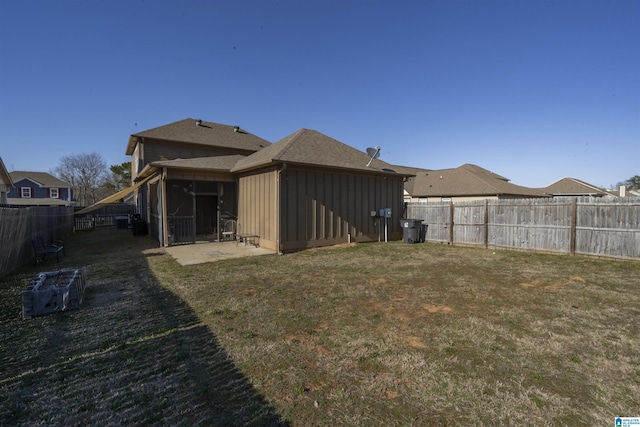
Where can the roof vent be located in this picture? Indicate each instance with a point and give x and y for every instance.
(198, 122)
(236, 128)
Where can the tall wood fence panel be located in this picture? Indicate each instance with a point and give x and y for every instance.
(530, 224)
(469, 222)
(601, 227)
(608, 227)
(437, 216)
(19, 225)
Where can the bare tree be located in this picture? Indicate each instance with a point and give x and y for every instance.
(86, 174)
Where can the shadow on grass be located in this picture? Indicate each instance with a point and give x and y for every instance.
(134, 353)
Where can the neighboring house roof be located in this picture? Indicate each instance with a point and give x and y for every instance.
(43, 179)
(466, 180)
(204, 133)
(5, 178)
(408, 170)
(310, 147)
(573, 187)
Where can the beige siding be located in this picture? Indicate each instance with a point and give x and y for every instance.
(321, 208)
(168, 150)
(257, 207)
(316, 207)
(199, 176)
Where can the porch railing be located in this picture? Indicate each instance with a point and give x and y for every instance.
(181, 230)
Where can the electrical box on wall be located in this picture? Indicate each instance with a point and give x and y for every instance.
(385, 213)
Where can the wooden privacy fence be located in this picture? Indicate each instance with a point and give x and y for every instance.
(588, 226)
(19, 225)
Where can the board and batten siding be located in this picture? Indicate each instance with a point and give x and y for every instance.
(155, 150)
(257, 213)
(324, 207)
(298, 208)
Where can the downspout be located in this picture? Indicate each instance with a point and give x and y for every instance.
(278, 210)
(165, 223)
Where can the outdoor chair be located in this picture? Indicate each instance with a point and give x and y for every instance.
(41, 249)
(229, 230)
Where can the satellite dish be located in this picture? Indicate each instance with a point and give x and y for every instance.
(388, 170)
(374, 153)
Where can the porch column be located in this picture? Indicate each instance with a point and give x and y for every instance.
(165, 223)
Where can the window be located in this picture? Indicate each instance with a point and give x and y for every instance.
(54, 193)
(25, 192)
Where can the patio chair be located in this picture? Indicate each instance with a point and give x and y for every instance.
(229, 230)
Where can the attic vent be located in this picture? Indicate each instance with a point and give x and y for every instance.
(198, 122)
(236, 128)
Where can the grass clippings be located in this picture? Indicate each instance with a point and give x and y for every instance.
(367, 334)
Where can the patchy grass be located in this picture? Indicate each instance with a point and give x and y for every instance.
(370, 334)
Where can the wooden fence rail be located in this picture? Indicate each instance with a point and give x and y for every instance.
(588, 226)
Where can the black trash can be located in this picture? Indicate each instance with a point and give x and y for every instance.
(139, 227)
(121, 222)
(411, 230)
(423, 233)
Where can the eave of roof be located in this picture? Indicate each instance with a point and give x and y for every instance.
(6, 178)
(35, 201)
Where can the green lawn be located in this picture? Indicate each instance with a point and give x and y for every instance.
(368, 334)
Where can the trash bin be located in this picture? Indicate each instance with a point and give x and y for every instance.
(411, 230)
(139, 227)
(423, 233)
(121, 222)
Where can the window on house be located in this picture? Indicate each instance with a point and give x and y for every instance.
(54, 193)
(25, 192)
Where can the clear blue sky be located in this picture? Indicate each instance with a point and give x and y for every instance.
(532, 90)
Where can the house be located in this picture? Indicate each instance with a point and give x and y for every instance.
(182, 170)
(306, 190)
(39, 189)
(6, 183)
(571, 187)
(310, 190)
(464, 183)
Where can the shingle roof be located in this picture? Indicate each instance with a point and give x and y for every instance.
(466, 180)
(310, 147)
(207, 133)
(218, 163)
(44, 179)
(408, 170)
(573, 187)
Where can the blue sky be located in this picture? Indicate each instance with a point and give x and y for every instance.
(532, 90)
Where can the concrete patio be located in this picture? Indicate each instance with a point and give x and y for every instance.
(202, 252)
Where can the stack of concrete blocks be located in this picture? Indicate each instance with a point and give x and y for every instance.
(54, 291)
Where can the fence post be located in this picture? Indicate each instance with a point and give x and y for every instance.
(574, 221)
(486, 223)
(451, 211)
